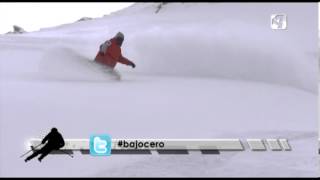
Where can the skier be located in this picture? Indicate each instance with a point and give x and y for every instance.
(55, 142)
(110, 53)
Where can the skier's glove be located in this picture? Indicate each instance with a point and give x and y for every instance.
(132, 65)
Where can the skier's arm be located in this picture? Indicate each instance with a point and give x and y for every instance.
(45, 139)
(126, 61)
(62, 143)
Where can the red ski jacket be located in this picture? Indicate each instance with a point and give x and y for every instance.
(110, 54)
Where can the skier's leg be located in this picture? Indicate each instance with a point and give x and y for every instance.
(45, 152)
(33, 155)
(116, 74)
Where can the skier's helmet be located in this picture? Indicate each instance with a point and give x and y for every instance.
(54, 129)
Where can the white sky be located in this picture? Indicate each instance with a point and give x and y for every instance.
(33, 16)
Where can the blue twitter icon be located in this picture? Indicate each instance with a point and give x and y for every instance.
(100, 145)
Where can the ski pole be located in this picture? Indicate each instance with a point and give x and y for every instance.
(30, 150)
(66, 153)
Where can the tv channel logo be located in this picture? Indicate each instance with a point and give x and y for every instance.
(100, 145)
(279, 21)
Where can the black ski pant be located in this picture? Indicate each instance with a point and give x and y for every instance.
(43, 151)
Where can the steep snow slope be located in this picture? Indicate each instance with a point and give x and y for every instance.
(191, 81)
(216, 40)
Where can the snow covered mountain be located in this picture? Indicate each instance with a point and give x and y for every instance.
(203, 71)
(234, 44)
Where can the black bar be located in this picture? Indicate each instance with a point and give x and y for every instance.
(173, 151)
(85, 151)
(130, 151)
(209, 151)
(62, 152)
